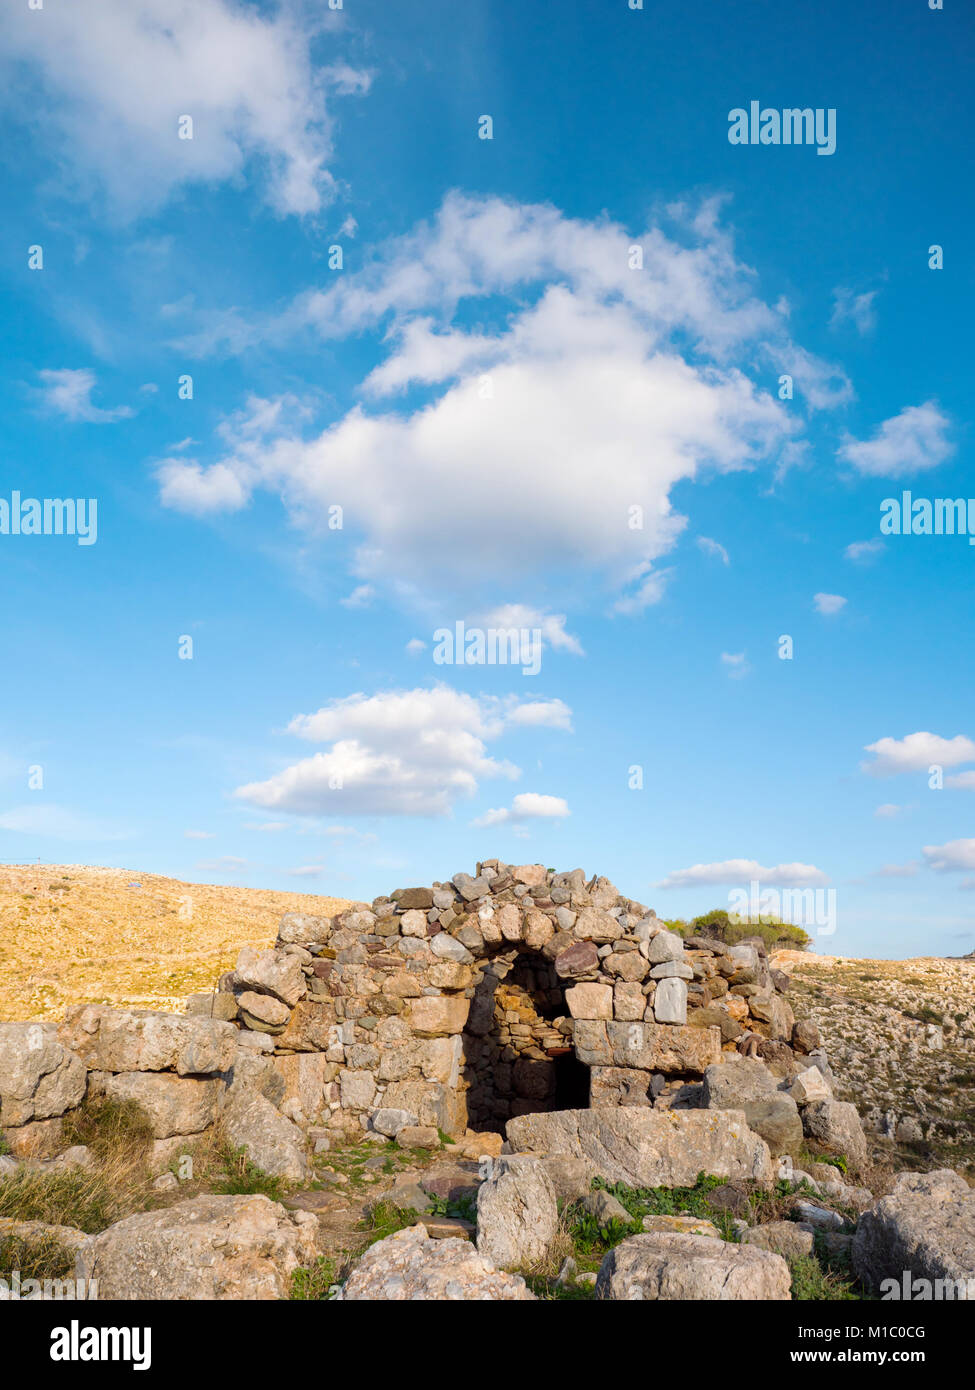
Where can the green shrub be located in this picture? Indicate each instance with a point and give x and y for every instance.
(241, 1177)
(730, 929)
(313, 1284)
(812, 1283)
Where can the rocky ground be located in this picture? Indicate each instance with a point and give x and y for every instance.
(71, 934)
(901, 1044)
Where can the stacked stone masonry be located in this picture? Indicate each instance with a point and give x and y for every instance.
(510, 991)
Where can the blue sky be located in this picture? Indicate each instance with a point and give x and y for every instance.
(488, 388)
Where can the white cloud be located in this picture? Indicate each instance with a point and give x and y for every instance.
(116, 76)
(360, 597)
(551, 625)
(888, 811)
(909, 442)
(858, 309)
(735, 871)
(828, 604)
(961, 779)
(67, 391)
(597, 390)
(737, 664)
(955, 856)
(916, 753)
(413, 752)
(199, 835)
(526, 806)
(908, 870)
(186, 487)
(715, 548)
(862, 552)
(537, 714)
(307, 871)
(416, 645)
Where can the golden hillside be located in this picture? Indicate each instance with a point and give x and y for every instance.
(74, 935)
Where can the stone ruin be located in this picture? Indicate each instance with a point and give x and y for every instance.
(451, 1008)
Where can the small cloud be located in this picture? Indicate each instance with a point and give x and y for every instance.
(863, 552)
(735, 871)
(550, 625)
(961, 779)
(415, 645)
(737, 664)
(916, 753)
(888, 811)
(360, 597)
(199, 835)
(307, 871)
(828, 604)
(907, 870)
(956, 855)
(527, 806)
(68, 392)
(910, 442)
(857, 309)
(536, 714)
(714, 548)
(227, 864)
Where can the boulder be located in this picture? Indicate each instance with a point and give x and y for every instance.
(129, 1040)
(437, 1016)
(207, 1248)
(731, 1084)
(390, 1121)
(810, 1086)
(672, 1267)
(776, 1119)
(262, 1012)
(272, 972)
(302, 929)
(517, 1215)
(670, 1000)
(924, 1228)
(270, 1140)
(173, 1104)
(40, 1078)
(648, 1046)
(836, 1125)
(648, 1148)
(590, 1001)
(411, 1266)
(790, 1239)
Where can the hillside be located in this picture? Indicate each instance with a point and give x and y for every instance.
(901, 1041)
(70, 934)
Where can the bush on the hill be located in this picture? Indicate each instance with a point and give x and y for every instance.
(726, 926)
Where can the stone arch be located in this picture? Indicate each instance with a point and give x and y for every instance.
(518, 1054)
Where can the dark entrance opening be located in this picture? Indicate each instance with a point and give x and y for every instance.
(518, 1051)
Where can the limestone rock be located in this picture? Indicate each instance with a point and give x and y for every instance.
(665, 1266)
(272, 972)
(40, 1078)
(207, 1248)
(517, 1215)
(926, 1226)
(787, 1238)
(129, 1040)
(836, 1125)
(270, 1140)
(411, 1266)
(648, 1148)
(175, 1105)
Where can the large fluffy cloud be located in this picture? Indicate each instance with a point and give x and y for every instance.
(118, 74)
(537, 401)
(412, 752)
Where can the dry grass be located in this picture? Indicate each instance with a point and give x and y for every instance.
(76, 935)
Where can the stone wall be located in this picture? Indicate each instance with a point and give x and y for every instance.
(497, 994)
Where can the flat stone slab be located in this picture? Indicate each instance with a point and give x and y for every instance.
(648, 1148)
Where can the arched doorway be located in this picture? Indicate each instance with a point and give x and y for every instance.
(518, 1049)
